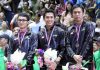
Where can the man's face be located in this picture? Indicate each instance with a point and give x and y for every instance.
(98, 22)
(25, 4)
(77, 14)
(15, 31)
(49, 19)
(37, 18)
(22, 22)
(1, 16)
(3, 42)
(68, 6)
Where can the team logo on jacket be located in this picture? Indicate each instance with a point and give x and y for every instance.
(55, 35)
(83, 29)
(42, 37)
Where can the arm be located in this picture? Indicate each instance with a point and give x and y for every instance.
(53, 64)
(62, 43)
(61, 46)
(9, 1)
(13, 20)
(33, 46)
(68, 46)
(88, 43)
(69, 50)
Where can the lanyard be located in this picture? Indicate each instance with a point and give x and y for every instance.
(78, 31)
(22, 38)
(49, 38)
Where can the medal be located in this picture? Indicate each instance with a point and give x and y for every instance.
(20, 40)
(77, 45)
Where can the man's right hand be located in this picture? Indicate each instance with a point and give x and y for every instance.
(78, 58)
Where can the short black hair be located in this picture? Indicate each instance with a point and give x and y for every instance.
(5, 36)
(38, 14)
(77, 6)
(24, 15)
(48, 11)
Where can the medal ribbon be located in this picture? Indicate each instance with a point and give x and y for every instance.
(22, 38)
(78, 31)
(49, 38)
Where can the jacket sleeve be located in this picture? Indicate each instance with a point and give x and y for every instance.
(33, 46)
(88, 43)
(62, 43)
(34, 42)
(70, 52)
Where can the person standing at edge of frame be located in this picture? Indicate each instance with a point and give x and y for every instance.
(26, 42)
(79, 39)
